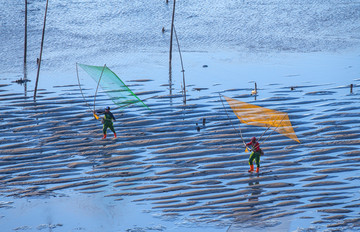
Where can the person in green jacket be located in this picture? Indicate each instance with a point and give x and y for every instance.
(108, 121)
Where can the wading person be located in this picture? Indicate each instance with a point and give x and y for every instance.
(107, 121)
(255, 155)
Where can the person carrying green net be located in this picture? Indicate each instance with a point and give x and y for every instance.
(107, 121)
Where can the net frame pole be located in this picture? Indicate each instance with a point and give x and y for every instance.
(97, 87)
(82, 94)
(232, 123)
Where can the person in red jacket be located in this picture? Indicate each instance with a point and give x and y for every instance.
(255, 154)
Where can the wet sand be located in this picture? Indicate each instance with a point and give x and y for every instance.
(161, 174)
(160, 164)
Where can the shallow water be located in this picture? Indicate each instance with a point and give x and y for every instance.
(91, 32)
(170, 175)
(54, 167)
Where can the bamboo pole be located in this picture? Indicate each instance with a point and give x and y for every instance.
(97, 87)
(170, 53)
(25, 50)
(41, 49)
(182, 68)
(25, 37)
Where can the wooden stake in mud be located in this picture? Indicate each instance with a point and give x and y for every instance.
(171, 39)
(254, 92)
(41, 48)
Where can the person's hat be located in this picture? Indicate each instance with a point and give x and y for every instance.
(253, 139)
(107, 108)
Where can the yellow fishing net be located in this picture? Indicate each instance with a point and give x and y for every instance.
(264, 117)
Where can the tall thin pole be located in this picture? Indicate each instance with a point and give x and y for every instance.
(25, 37)
(41, 49)
(25, 50)
(170, 53)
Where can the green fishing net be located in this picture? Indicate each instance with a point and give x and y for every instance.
(112, 85)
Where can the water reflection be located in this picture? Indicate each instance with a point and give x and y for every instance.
(23, 81)
(256, 190)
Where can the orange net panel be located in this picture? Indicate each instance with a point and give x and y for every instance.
(260, 116)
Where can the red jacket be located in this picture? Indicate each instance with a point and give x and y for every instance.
(255, 147)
